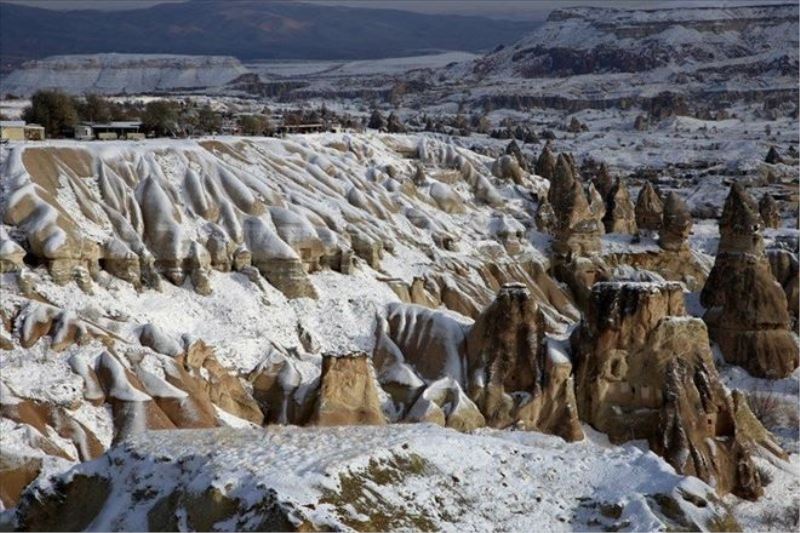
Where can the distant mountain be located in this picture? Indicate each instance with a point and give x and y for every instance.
(661, 60)
(577, 41)
(245, 29)
(121, 73)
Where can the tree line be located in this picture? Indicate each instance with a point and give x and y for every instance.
(59, 112)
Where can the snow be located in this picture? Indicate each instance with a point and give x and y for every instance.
(333, 69)
(118, 73)
(544, 483)
(312, 191)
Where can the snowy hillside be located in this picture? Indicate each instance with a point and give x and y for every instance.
(578, 41)
(599, 58)
(121, 73)
(357, 279)
(369, 478)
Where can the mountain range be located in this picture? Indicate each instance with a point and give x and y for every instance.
(245, 29)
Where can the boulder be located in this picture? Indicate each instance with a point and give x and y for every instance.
(446, 198)
(444, 403)
(279, 389)
(348, 393)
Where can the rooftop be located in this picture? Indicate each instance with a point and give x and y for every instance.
(117, 124)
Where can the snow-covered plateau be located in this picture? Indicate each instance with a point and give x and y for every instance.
(122, 73)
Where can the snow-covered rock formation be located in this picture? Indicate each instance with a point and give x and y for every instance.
(121, 73)
(154, 292)
(665, 60)
(379, 478)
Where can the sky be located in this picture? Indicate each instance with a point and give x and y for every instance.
(504, 9)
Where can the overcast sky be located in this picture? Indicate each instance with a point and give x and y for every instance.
(508, 9)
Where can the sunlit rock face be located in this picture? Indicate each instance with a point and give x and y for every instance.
(644, 370)
(499, 371)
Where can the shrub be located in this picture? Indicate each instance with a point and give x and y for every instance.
(253, 124)
(770, 410)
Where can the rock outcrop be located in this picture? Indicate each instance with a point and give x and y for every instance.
(676, 225)
(546, 163)
(753, 331)
(576, 230)
(515, 376)
(507, 167)
(620, 216)
(644, 370)
(501, 371)
(578, 227)
(770, 214)
(11, 254)
(785, 268)
(348, 393)
(649, 209)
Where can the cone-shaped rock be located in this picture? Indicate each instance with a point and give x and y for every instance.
(596, 204)
(773, 157)
(747, 311)
(677, 223)
(578, 228)
(513, 149)
(620, 216)
(768, 208)
(545, 217)
(561, 182)
(546, 164)
(603, 180)
(649, 209)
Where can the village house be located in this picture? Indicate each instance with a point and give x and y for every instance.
(18, 130)
(109, 130)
